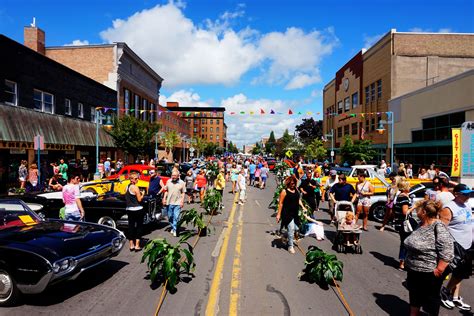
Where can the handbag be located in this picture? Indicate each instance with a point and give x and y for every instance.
(409, 224)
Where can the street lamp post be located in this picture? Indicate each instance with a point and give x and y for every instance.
(98, 116)
(381, 130)
(332, 143)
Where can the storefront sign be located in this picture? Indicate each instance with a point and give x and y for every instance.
(467, 150)
(30, 145)
(17, 151)
(456, 164)
(84, 153)
(70, 152)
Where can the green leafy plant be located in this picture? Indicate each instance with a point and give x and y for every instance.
(321, 267)
(193, 217)
(16, 191)
(212, 172)
(167, 262)
(276, 197)
(211, 201)
(301, 213)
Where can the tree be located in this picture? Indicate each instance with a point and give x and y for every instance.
(170, 140)
(271, 144)
(210, 149)
(257, 149)
(316, 150)
(133, 136)
(309, 130)
(199, 143)
(358, 150)
(283, 144)
(232, 148)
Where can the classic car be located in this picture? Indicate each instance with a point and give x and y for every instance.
(142, 170)
(380, 183)
(417, 192)
(271, 163)
(35, 252)
(106, 209)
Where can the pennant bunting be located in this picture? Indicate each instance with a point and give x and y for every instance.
(272, 112)
(290, 112)
(262, 111)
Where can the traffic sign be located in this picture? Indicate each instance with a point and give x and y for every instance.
(332, 153)
(39, 142)
(191, 154)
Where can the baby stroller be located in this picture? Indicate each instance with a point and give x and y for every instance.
(347, 235)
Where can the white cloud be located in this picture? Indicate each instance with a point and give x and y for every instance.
(421, 30)
(185, 98)
(184, 52)
(77, 43)
(371, 40)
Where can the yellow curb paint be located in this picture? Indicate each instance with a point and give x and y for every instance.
(212, 302)
(236, 269)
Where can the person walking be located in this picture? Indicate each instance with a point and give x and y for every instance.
(189, 180)
(364, 191)
(33, 177)
(135, 215)
(317, 189)
(107, 167)
(175, 190)
(264, 175)
(252, 168)
(401, 208)
(431, 172)
(330, 182)
(458, 217)
(71, 198)
(307, 187)
(342, 191)
(429, 251)
(288, 207)
(392, 193)
(234, 173)
(220, 185)
(242, 186)
(201, 183)
(23, 173)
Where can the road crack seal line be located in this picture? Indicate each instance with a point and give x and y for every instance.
(236, 269)
(282, 297)
(213, 302)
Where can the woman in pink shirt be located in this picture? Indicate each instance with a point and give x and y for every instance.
(201, 183)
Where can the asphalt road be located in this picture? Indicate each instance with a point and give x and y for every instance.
(242, 269)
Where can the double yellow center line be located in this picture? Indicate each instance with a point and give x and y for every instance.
(213, 301)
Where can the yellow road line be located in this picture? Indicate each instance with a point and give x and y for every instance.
(212, 302)
(236, 269)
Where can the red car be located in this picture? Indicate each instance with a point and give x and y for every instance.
(271, 163)
(142, 170)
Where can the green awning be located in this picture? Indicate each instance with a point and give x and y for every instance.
(431, 143)
(22, 124)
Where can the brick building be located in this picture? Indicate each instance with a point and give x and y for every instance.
(205, 122)
(40, 96)
(355, 101)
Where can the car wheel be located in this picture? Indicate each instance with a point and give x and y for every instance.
(378, 212)
(9, 293)
(107, 221)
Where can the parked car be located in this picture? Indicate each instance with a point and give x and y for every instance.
(106, 209)
(380, 183)
(142, 170)
(271, 163)
(35, 253)
(417, 192)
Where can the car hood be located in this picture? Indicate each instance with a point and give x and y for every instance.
(57, 239)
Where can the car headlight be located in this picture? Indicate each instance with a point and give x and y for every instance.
(64, 265)
(117, 243)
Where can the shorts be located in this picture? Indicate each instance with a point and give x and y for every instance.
(464, 271)
(264, 179)
(22, 179)
(189, 191)
(252, 176)
(423, 290)
(199, 189)
(364, 202)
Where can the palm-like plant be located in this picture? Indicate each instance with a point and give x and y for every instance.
(167, 262)
(193, 217)
(170, 140)
(212, 201)
(321, 267)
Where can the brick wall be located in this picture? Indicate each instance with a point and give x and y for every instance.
(35, 39)
(445, 45)
(93, 62)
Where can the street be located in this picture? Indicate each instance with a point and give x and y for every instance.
(242, 268)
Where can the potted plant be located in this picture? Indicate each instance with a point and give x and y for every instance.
(195, 218)
(167, 262)
(321, 267)
(212, 172)
(212, 201)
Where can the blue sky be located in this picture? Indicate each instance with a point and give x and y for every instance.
(244, 55)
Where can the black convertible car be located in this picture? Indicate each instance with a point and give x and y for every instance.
(35, 253)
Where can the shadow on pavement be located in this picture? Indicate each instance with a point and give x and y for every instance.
(62, 291)
(391, 304)
(388, 261)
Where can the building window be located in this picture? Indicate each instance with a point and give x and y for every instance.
(372, 92)
(202, 129)
(210, 137)
(211, 121)
(80, 110)
(355, 100)
(354, 129)
(137, 105)
(93, 114)
(347, 104)
(152, 112)
(11, 92)
(339, 132)
(346, 130)
(372, 124)
(203, 121)
(67, 107)
(217, 137)
(367, 95)
(217, 129)
(43, 101)
(379, 89)
(367, 126)
(211, 129)
(339, 107)
(144, 110)
(126, 102)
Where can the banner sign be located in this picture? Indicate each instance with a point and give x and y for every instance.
(467, 150)
(456, 163)
(30, 145)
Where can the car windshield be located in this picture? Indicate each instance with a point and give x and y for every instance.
(16, 214)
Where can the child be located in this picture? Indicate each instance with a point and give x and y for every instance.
(314, 228)
(349, 224)
(242, 186)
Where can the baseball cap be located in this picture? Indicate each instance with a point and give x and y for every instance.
(462, 188)
(333, 172)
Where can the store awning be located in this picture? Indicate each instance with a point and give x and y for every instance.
(21, 124)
